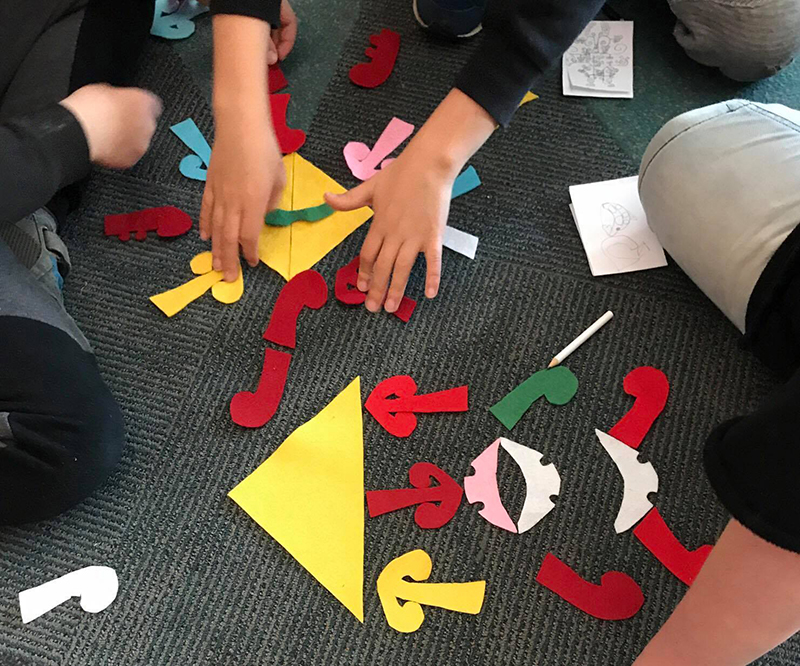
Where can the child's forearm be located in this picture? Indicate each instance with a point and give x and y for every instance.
(745, 601)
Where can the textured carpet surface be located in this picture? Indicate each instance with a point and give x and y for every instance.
(201, 583)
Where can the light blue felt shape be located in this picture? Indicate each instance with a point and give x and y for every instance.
(192, 167)
(178, 24)
(467, 181)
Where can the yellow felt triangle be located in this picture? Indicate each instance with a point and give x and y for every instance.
(309, 496)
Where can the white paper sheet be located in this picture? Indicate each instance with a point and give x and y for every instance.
(600, 61)
(460, 241)
(613, 227)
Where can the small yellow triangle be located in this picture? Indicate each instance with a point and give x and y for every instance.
(309, 496)
(529, 97)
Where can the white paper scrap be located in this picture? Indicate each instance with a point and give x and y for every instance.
(460, 241)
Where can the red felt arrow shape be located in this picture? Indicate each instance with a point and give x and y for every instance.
(396, 414)
(382, 54)
(275, 78)
(346, 291)
(289, 140)
(650, 387)
(167, 221)
(253, 410)
(304, 290)
(618, 597)
(437, 504)
(658, 538)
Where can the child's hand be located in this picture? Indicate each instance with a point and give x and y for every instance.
(411, 200)
(282, 38)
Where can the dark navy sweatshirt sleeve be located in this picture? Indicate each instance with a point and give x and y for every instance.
(266, 10)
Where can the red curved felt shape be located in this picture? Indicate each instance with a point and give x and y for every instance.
(347, 292)
(289, 140)
(167, 221)
(253, 410)
(658, 538)
(304, 290)
(618, 597)
(275, 79)
(437, 504)
(382, 55)
(650, 387)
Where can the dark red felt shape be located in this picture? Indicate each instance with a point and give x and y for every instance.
(253, 410)
(618, 597)
(275, 78)
(396, 415)
(658, 538)
(382, 55)
(650, 387)
(346, 291)
(437, 504)
(167, 221)
(289, 140)
(304, 290)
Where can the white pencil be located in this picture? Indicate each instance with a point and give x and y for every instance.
(583, 337)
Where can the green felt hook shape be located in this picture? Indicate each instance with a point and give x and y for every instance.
(558, 385)
(283, 218)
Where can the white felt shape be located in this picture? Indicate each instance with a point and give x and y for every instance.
(542, 481)
(96, 586)
(639, 478)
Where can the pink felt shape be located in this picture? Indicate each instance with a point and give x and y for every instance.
(253, 410)
(363, 162)
(346, 291)
(658, 538)
(437, 504)
(275, 79)
(304, 290)
(167, 221)
(382, 54)
(618, 597)
(396, 415)
(289, 140)
(482, 487)
(650, 387)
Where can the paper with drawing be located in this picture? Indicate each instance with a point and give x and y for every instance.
(600, 61)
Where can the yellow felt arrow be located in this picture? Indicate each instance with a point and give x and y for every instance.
(460, 597)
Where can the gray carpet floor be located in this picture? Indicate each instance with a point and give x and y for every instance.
(201, 583)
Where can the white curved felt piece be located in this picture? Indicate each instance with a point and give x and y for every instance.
(639, 478)
(542, 482)
(96, 586)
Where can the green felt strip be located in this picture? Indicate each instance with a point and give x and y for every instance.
(557, 385)
(283, 218)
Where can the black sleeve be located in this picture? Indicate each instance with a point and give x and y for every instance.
(39, 154)
(753, 464)
(266, 10)
(522, 39)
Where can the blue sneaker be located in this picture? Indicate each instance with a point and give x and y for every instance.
(450, 18)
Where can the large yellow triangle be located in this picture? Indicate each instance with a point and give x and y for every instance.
(309, 496)
(296, 248)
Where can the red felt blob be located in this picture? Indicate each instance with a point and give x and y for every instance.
(405, 309)
(618, 597)
(167, 221)
(253, 410)
(346, 291)
(437, 504)
(382, 54)
(304, 290)
(650, 387)
(396, 415)
(656, 536)
(289, 140)
(275, 78)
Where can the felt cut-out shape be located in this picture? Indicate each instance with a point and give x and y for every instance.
(558, 386)
(650, 387)
(97, 588)
(437, 504)
(276, 79)
(283, 218)
(541, 481)
(346, 291)
(309, 497)
(482, 487)
(618, 597)
(397, 415)
(466, 181)
(382, 55)
(193, 166)
(393, 589)
(528, 97)
(166, 221)
(176, 24)
(296, 248)
(363, 162)
(405, 309)
(305, 290)
(253, 410)
(289, 140)
(658, 538)
(639, 479)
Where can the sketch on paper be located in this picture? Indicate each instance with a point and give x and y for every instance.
(619, 248)
(600, 61)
